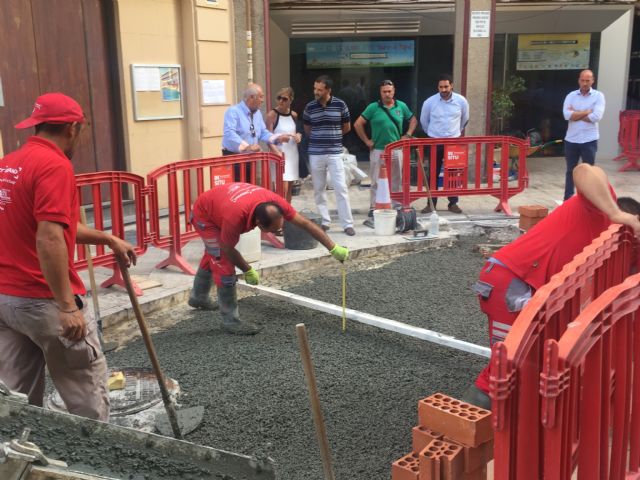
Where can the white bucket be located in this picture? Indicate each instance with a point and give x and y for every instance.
(384, 221)
(250, 246)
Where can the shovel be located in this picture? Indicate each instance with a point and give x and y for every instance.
(176, 423)
(108, 346)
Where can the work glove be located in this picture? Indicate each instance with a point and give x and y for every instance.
(339, 253)
(252, 277)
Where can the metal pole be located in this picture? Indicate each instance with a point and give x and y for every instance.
(373, 320)
(247, 4)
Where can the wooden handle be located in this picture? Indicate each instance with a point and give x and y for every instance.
(168, 405)
(318, 419)
(92, 277)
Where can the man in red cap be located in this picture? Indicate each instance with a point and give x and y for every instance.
(42, 311)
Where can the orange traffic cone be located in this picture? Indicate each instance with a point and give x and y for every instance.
(383, 194)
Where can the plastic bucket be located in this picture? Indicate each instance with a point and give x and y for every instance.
(296, 238)
(250, 246)
(384, 222)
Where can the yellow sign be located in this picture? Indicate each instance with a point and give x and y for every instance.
(561, 51)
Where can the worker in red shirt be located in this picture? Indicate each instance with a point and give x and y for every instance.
(509, 278)
(220, 215)
(43, 316)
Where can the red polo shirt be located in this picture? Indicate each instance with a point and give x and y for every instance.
(36, 184)
(542, 252)
(230, 207)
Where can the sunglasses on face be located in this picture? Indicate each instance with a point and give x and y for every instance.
(282, 99)
(386, 83)
(252, 129)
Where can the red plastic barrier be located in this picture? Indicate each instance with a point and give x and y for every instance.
(462, 157)
(590, 391)
(185, 180)
(516, 363)
(116, 184)
(629, 139)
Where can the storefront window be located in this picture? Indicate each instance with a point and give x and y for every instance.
(358, 66)
(550, 65)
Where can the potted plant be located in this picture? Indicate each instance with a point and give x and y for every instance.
(502, 104)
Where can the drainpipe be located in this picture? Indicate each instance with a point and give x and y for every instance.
(247, 7)
(492, 34)
(465, 48)
(267, 53)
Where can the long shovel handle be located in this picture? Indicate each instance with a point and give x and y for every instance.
(310, 376)
(166, 399)
(92, 277)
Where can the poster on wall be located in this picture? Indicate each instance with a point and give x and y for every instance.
(170, 84)
(561, 51)
(382, 53)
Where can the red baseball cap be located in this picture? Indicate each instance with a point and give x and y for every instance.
(53, 108)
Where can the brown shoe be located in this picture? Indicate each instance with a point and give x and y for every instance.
(350, 231)
(426, 209)
(454, 208)
(325, 227)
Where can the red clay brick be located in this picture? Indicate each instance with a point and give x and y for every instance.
(463, 423)
(534, 211)
(422, 436)
(475, 457)
(406, 468)
(441, 460)
(478, 474)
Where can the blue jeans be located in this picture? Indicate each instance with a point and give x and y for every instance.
(572, 153)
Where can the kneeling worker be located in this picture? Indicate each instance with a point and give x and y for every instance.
(220, 215)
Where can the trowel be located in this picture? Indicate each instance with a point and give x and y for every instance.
(176, 423)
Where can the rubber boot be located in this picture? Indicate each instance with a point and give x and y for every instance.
(228, 303)
(199, 296)
(477, 397)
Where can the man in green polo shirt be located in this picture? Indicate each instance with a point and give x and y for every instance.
(386, 119)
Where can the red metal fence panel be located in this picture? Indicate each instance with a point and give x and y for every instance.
(491, 165)
(516, 363)
(117, 184)
(590, 390)
(185, 180)
(629, 139)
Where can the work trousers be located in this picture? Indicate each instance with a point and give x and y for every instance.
(374, 172)
(30, 339)
(334, 164)
(214, 260)
(502, 296)
(573, 152)
(439, 163)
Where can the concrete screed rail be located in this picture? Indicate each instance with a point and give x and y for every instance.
(373, 320)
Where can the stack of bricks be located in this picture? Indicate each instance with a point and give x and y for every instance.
(453, 441)
(530, 215)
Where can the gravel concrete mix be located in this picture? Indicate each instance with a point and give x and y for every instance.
(370, 381)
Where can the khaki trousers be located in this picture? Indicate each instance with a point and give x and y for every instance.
(29, 340)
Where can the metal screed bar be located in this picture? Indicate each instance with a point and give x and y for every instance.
(373, 320)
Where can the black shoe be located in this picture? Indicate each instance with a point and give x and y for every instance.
(370, 214)
(241, 328)
(325, 227)
(350, 231)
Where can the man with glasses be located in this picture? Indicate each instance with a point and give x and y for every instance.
(326, 121)
(386, 119)
(244, 127)
(444, 115)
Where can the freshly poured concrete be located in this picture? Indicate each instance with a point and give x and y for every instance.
(370, 381)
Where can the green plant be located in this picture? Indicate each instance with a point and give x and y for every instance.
(502, 104)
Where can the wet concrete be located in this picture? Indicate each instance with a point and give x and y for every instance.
(370, 381)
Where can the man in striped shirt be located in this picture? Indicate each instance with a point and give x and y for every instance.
(326, 119)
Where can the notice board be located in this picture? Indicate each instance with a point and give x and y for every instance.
(157, 91)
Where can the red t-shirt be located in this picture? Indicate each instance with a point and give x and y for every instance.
(230, 207)
(36, 184)
(542, 252)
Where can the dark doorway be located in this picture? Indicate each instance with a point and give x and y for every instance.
(63, 46)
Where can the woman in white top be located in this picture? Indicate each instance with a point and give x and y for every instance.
(283, 120)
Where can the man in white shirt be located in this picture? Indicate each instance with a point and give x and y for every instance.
(444, 115)
(583, 109)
